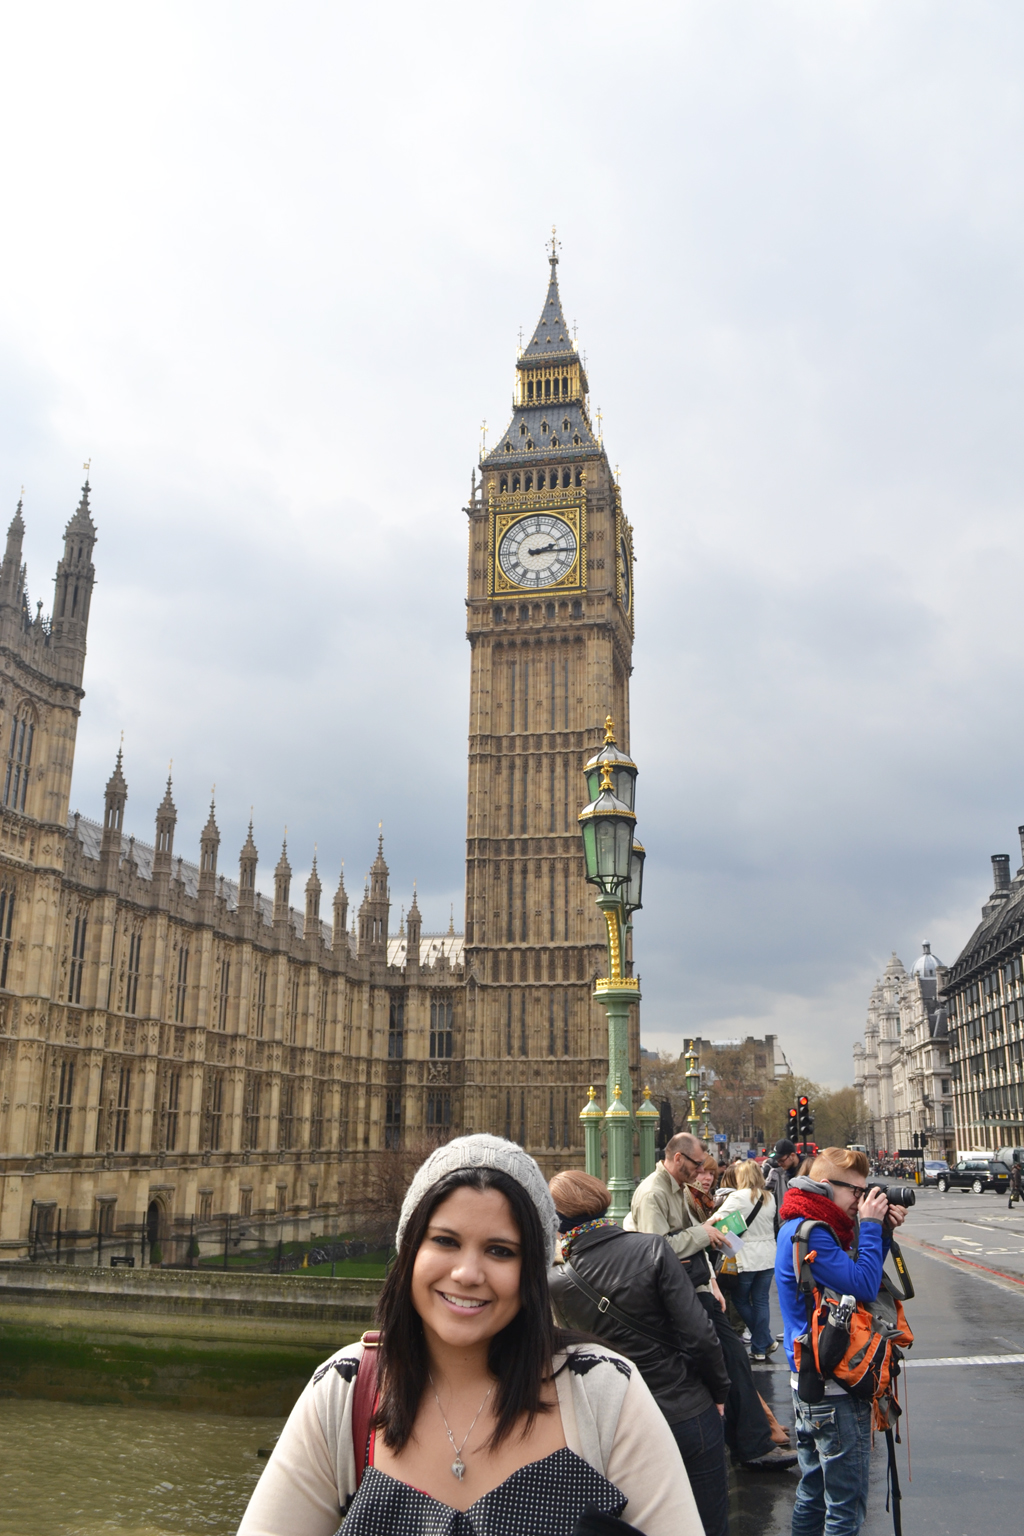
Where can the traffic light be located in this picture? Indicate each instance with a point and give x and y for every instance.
(804, 1119)
(792, 1133)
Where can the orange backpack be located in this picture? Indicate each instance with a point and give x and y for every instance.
(857, 1344)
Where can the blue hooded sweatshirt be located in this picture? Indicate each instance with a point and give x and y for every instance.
(833, 1267)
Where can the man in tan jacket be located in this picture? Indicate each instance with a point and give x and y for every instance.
(661, 1203)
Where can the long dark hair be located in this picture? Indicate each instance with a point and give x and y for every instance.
(519, 1356)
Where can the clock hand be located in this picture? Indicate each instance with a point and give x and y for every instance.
(545, 549)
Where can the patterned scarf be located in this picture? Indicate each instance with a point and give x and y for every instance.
(587, 1226)
(703, 1202)
(814, 1207)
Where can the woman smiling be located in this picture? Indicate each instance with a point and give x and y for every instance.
(487, 1420)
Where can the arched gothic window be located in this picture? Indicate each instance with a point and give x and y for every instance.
(441, 1027)
(6, 928)
(19, 759)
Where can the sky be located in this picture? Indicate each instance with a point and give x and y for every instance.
(264, 267)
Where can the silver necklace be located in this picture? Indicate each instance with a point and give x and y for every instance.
(458, 1465)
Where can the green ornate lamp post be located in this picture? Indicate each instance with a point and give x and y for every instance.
(693, 1089)
(614, 863)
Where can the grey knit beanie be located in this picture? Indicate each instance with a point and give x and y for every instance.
(484, 1151)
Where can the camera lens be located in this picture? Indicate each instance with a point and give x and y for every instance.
(897, 1194)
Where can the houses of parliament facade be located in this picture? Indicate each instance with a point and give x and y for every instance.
(178, 1050)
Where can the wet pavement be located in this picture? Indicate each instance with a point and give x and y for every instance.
(960, 1464)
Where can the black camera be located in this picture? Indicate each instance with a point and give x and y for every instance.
(897, 1194)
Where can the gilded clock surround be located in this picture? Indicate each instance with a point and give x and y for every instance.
(507, 509)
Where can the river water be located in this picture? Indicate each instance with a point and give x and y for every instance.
(67, 1470)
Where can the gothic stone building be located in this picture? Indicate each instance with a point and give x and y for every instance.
(177, 1049)
(985, 997)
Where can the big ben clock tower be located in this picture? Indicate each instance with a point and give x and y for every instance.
(550, 624)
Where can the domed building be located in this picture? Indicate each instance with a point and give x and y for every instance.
(902, 1068)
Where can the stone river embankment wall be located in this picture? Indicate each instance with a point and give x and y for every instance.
(188, 1339)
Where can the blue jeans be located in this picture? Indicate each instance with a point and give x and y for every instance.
(750, 1298)
(701, 1444)
(833, 1443)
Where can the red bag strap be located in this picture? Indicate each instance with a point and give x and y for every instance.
(364, 1399)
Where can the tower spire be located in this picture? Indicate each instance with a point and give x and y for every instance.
(247, 861)
(311, 931)
(12, 578)
(552, 335)
(338, 934)
(551, 417)
(114, 799)
(166, 820)
(282, 883)
(209, 842)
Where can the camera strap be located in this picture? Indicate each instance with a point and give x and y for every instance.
(907, 1285)
(893, 1494)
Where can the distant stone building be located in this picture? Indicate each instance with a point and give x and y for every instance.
(985, 998)
(902, 1069)
(175, 1047)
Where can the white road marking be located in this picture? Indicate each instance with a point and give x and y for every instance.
(941, 1360)
(939, 1256)
(970, 1360)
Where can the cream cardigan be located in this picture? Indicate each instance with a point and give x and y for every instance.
(758, 1251)
(608, 1415)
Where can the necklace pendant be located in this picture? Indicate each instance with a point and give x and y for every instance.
(458, 1467)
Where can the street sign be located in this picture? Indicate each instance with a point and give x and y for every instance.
(911, 1152)
(721, 1136)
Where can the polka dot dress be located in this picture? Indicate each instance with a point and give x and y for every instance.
(544, 1498)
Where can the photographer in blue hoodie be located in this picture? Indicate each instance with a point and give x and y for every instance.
(833, 1436)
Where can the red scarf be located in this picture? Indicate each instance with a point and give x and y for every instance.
(811, 1207)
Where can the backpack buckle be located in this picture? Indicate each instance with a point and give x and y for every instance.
(604, 1304)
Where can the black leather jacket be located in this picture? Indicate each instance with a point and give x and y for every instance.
(641, 1275)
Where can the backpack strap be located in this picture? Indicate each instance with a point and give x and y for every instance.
(802, 1255)
(364, 1399)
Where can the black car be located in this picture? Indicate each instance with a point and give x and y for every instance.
(977, 1173)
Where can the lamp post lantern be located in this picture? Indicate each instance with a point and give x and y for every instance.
(614, 863)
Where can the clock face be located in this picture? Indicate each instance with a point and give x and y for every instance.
(537, 550)
(627, 575)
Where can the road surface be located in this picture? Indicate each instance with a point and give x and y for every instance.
(963, 1389)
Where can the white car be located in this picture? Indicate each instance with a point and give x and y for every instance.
(933, 1171)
